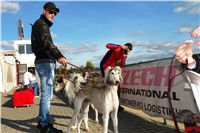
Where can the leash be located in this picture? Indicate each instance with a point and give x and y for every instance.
(72, 64)
(170, 79)
(65, 67)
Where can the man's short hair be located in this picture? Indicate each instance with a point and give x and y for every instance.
(129, 45)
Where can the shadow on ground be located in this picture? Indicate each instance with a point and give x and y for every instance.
(128, 122)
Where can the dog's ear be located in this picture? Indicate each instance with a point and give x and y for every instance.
(76, 82)
(60, 80)
(106, 74)
(107, 71)
(120, 74)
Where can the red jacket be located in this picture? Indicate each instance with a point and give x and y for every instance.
(114, 57)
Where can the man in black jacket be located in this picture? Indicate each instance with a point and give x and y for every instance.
(46, 56)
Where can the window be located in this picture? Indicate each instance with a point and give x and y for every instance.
(28, 49)
(25, 49)
(21, 49)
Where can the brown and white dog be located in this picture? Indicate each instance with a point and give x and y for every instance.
(104, 98)
(71, 87)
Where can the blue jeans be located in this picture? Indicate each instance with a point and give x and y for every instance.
(46, 74)
(35, 88)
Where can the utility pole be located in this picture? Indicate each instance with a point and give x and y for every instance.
(20, 29)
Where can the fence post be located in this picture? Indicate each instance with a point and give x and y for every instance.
(165, 121)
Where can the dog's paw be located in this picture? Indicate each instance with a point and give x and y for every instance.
(68, 130)
(74, 127)
(86, 129)
(96, 121)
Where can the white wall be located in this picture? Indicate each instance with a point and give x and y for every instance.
(25, 58)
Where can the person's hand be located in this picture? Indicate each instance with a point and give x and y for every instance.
(63, 61)
(195, 34)
(183, 53)
(124, 47)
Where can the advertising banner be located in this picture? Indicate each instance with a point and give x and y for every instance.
(145, 87)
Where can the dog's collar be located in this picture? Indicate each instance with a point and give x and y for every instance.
(82, 86)
(71, 81)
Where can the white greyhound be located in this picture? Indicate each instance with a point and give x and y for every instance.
(71, 87)
(104, 98)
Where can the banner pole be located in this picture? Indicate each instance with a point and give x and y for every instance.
(165, 121)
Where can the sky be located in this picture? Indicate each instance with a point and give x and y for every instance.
(82, 29)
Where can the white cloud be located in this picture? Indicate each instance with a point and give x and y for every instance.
(189, 7)
(53, 35)
(84, 48)
(12, 7)
(6, 45)
(179, 9)
(184, 29)
(87, 47)
(146, 51)
(65, 48)
(195, 10)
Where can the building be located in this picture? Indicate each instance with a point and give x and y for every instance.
(24, 49)
(14, 63)
(27, 58)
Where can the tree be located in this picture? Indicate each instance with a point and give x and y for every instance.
(89, 65)
(80, 69)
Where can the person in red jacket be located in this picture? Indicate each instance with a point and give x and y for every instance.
(115, 54)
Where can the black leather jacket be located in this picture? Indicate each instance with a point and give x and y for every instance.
(197, 59)
(41, 42)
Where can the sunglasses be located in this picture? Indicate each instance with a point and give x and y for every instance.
(52, 12)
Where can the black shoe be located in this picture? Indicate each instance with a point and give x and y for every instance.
(39, 125)
(49, 129)
(120, 109)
